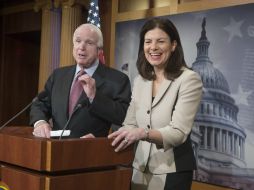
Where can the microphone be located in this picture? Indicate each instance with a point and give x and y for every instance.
(40, 96)
(80, 105)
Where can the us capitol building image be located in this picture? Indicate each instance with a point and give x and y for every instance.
(218, 140)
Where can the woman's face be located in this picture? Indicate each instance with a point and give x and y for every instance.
(158, 47)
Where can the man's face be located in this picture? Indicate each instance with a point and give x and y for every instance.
(85, 50)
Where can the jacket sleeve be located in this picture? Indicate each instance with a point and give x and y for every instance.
(41, 108)
(186, 107)
(130, 119)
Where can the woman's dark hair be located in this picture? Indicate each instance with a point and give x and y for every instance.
(175, 61)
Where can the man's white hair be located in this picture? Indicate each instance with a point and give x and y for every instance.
(93, 28)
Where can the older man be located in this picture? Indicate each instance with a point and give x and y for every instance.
(101, 93)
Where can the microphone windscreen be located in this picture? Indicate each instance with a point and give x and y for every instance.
(42, 95)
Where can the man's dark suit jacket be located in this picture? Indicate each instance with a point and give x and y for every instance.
(113, 94)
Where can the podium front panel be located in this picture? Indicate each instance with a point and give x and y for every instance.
(114, 179)
(32, 163)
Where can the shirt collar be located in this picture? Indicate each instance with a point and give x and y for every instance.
(90, 71)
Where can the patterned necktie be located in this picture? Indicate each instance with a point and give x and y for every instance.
(76, 91)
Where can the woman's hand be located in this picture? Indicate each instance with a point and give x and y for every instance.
(124, 137)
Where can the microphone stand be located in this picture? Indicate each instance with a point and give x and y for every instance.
(66, 125)
(38, 97)
(15, 116)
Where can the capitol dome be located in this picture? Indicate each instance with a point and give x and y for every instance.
(221, 141)
(211, 77)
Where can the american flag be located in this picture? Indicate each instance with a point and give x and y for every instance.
(94, 18)
(93, 13)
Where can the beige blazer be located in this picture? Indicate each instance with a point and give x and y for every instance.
(174, 125)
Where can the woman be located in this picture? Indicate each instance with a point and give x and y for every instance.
(165, 99)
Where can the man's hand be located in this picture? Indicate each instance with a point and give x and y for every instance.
(43, 130)
(89, 85)
(90, 135)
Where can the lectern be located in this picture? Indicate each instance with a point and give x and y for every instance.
(33, 163)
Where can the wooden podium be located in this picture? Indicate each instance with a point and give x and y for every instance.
(33, 163)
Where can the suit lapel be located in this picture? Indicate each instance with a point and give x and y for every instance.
(99, 75)
(163, 89)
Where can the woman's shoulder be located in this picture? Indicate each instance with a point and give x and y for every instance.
(189, 73)
(139, 80)
(188, 77)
